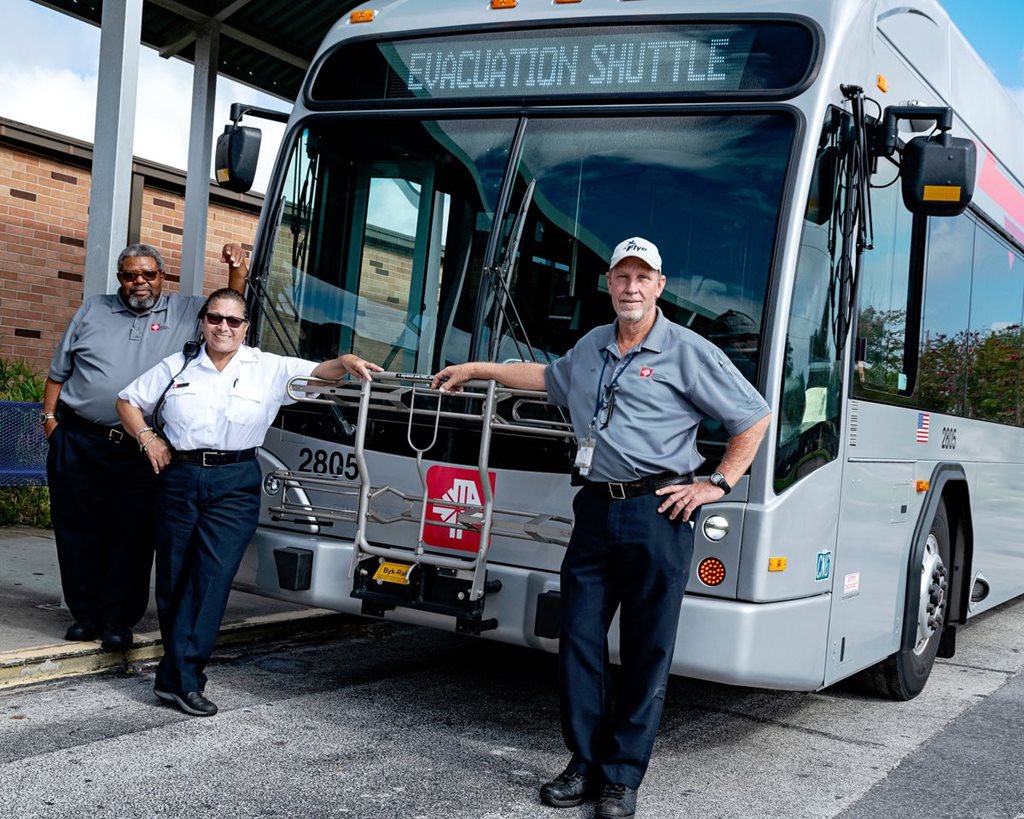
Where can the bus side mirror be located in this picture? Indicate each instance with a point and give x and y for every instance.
(238, 150)
(938, 175)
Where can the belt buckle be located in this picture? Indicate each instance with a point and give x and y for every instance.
(205, 454)
(115, 435)
(612, 487)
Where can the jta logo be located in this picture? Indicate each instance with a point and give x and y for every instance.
(457, 486)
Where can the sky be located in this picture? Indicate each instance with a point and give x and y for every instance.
(48, 65)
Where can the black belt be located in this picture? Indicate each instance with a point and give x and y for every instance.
(116, 435)
(214, 457)
(631, 489)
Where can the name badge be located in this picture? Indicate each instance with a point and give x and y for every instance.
(585, 456)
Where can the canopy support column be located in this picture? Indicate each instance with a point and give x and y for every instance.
(200, 144)
(110, 191)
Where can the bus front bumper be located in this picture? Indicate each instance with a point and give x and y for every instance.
(780, 645)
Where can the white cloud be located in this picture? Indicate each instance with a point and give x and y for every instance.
(55, 99)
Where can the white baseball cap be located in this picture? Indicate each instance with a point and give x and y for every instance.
(636, 246)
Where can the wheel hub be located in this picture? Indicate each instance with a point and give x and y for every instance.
(934, 584)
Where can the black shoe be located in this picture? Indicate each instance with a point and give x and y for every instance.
(117, 639)
(81, 631)
(568, 789)
(616, 802)
(192, 703)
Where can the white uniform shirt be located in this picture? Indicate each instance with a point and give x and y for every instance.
(227, 410)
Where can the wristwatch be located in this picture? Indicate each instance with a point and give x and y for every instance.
(46, 416)
(718, 479)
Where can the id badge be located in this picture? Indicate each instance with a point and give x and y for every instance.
(585, 456)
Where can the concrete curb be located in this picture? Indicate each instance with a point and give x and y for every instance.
(29, 666)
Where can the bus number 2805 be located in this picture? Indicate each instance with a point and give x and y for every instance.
(335, 462)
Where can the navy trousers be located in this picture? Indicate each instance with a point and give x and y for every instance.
(102, 497)
(622, 555)
(206, 519)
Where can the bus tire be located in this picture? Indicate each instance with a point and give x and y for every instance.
(902, 676)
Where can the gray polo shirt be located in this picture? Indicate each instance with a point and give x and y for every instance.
(106, 346)
(674, 380)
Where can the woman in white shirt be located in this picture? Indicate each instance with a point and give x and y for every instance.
(217, 409)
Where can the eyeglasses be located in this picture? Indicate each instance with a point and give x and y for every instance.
(214, 319)
(609, 405)
(128, 276)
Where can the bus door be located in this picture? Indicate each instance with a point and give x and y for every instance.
(392, 262)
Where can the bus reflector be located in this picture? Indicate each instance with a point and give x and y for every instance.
(776, 564)
(922, 486)
(711, 571)
(882, 83)
(504, 4)
(364, 16)
(941, 193)
(559, 2)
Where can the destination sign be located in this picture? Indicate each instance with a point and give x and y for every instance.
(611, 63)
(695, 60)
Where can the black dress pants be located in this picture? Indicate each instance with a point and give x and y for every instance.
(623, 555)
(102, 497)
(207, 516)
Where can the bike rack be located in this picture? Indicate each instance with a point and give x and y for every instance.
(486, 403)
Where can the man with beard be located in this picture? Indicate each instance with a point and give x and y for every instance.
(101, 491)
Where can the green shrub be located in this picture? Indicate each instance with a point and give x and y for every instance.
(25, 506)
(22, 505)
(18, 382)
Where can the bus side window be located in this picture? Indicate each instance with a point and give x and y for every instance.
(881, 349)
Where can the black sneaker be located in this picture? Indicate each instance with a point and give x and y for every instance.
(616, 802)
(568, 789)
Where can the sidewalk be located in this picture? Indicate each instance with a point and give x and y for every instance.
(32, 622)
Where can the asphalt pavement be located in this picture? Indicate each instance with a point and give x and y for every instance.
(373, 720)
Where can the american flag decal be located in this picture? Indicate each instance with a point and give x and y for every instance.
(923, 422)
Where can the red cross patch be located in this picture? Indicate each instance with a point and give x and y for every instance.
(154, 327)
(646, 372)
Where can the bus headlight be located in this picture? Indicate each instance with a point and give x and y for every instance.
(271, 484)
(715, 527)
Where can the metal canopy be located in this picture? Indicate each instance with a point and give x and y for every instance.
(267, 44)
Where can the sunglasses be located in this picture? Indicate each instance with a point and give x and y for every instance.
(128, 277)
(234, 322)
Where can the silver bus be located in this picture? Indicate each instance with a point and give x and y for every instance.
(837, 190)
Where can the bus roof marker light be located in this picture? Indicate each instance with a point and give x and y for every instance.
(882, 83)
(364, 16)
(504, 4)
(711, 571)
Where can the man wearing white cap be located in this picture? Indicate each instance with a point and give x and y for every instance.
(636, 428)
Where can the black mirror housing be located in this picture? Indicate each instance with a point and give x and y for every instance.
(938, 175)
(238, 150)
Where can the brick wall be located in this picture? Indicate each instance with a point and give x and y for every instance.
(44, 202)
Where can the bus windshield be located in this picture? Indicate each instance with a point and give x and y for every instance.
(382, 227)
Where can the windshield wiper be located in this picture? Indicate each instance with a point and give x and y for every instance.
(500, 277)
